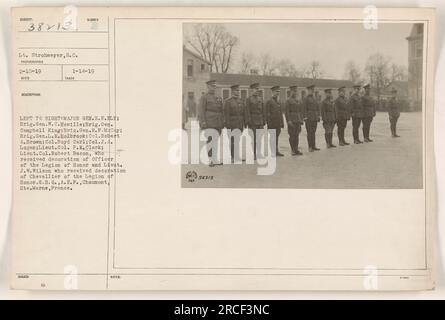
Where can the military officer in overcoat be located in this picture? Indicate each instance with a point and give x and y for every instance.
(311, 111)
(342, 115)
(394, 113)
(255, 116)
(211, 116)
(369, 112)
(234, 118)
(274, 118)
(329, 118)
(356, 107)
(294, 119)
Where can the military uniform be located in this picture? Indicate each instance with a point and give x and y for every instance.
(394, 114)
(369, 112)
(329, 118)
(211, 115)
(343, 116)
(255, 117)
(234, 119)
(312, 115)
(356, 108)
(274, 117)
(294, 119)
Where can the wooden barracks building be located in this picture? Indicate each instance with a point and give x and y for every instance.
(196, 72)
(225, 80)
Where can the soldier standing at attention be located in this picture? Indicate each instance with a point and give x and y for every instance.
(234, 118)
(342, 115)
(294, 119)
(255, 116)
(274, 117)
(318, 97)
(394, 113)
(303, 95)
(328, 117)
(369, 112)
(356, 108)
(311, 111)
(211, 116)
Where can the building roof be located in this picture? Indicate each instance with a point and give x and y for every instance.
(401, 86)
(197, 56)
(416, 32)
(269, 81)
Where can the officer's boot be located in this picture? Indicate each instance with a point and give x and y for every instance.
(343, 138)
(395, 132)
(326, 137)
(355, 135)
(365, 133)
(331, 135)
(368, 133)
(309, 143)
(340, 138)
(292, 147)
(314, 144)
(278, 153)
(297, 151)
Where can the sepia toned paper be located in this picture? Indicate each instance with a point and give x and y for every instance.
(101, 202)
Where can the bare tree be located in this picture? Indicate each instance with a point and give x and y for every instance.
(214, 44)
(247, 63)
(224, 55)
(314, 70)
(266, 64)
(399, 73)
(378, 72)
(286, 68)
(352, 72)
(301, 72)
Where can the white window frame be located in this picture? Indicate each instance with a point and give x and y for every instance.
(418, 46)
(287, 93)
(222, 93)
(245, 90)
(192, 69)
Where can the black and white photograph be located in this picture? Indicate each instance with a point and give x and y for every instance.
(319, 105)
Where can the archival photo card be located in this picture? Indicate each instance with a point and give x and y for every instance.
(230, 148)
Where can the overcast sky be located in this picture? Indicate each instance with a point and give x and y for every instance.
(331, 44)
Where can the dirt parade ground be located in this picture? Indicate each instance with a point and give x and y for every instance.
(386, 163)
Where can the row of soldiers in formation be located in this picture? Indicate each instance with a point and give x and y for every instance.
(234, 113)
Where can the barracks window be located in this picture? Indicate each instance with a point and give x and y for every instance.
(287, 93)
(190, 68)
(226, 94)
(244, 94)
(419, 50)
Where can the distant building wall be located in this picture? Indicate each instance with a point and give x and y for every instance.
(415, 67)
(224, 91)
(224, 81)
(196, 72)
